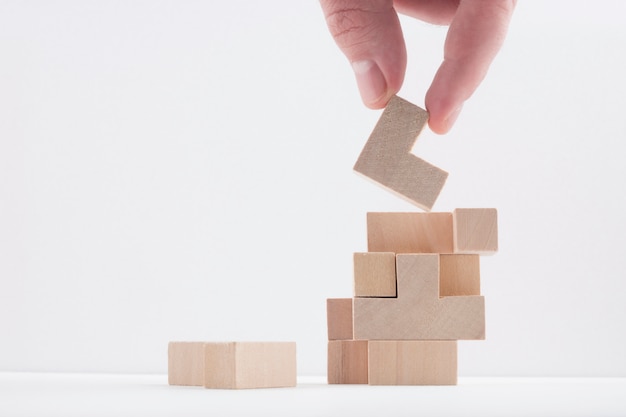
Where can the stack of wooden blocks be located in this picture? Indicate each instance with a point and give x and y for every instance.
(417, 289)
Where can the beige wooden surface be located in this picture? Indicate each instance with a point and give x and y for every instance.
(475, 230)
(374, 274)
(387, 159)
(459, 275)
(409, 232)
(185, 363)
(339, 318)
(411, 362)
(244, 365)
(347, 362)
(418, 313)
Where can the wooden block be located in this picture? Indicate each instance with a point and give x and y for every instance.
(339, 318)
(347, 362)
(412, 362)
(418, 313)
(475, 230)
(185, 363)
(410, 232)
(459, 275)
(387, 159)
(374, 274)
(242, 365)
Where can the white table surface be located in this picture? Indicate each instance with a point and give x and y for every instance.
(40, 394)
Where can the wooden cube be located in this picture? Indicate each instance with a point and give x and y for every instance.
(409, 232)
(387, 159)
(347, 362)
(339, 318)
(185, 363)
(459, 275)
(475, 230)
(412, 362)
(375, 274)
(241, 365)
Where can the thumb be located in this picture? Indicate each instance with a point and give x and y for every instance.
(368, 32)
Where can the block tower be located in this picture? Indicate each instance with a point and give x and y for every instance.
(417, 289)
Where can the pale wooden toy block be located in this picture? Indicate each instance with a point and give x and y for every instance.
(374, 274)
(347, 362)
(418, 313)
(475, 230)
(412, 362)
(339, 318)
(387, 159)
(243, 365)
(185, 363)
(459, 275)
(409, 232)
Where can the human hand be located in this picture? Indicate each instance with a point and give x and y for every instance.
(369, 34)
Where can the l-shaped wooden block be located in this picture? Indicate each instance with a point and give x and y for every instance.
(232, 365)
(387, 159)
(418, 312)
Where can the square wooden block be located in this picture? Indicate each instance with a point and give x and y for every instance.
(339, 318)
(242, 365)
(459, 275)
(347, 362)
(475, 230)
(185, 363)
(412, 362)
(374, 274)
(409, 232)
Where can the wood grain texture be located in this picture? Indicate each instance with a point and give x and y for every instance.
(245, 365)
(409, 232)
(459, 275)
(409, 362)
(374, 274)
(387, 159)
(185, 363)
(475, 230)
(347, 362)
(339, 318)
(418, 313)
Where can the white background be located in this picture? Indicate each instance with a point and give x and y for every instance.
(182, 170)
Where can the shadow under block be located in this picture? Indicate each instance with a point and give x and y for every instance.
(374, 274)
(347, 362)
(412, 362)
(475, 230)
(339, 318)
(387, 159)
(242, 365)
(418, 313)
(409, 232)
(185, 363)
(459, 275)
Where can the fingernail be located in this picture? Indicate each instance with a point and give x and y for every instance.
(370, 80)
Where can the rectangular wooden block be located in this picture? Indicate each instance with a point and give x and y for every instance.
(339, 318)
(185, 363)
(374, 274)
(347, 362)
(242, 365)
(475, 230)
(459, 275)
(412, 362)
(418, 313)
(409, 232)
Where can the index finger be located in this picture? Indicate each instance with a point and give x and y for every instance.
(474, 38)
